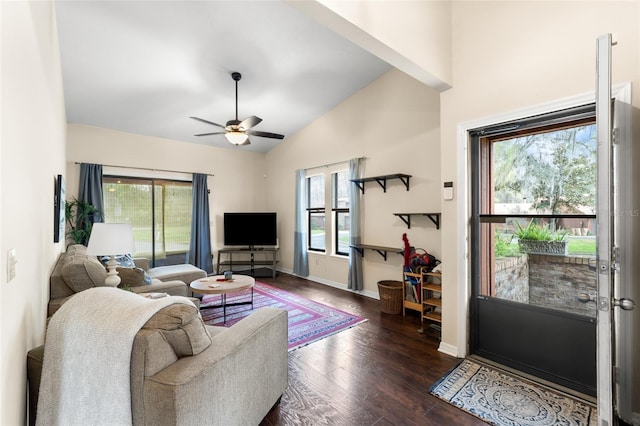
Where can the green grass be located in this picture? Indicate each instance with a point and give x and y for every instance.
(508, 250)
(582, 246)
(577, 246)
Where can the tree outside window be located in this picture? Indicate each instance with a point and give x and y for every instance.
(551, 172)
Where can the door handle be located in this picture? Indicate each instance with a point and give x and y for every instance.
(624, 304)
(585, 298)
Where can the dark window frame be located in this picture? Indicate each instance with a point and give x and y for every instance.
(153, 182)
(311, 211)
(336, 211)
(482, 141)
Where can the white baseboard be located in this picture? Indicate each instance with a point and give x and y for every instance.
(335, 284)
(448, 349)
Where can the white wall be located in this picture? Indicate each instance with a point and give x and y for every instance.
(393, 122)
(238, 182)
(413, 36)
(32, 153)
(509, 56)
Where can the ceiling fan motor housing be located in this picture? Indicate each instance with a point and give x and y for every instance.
(233, 124)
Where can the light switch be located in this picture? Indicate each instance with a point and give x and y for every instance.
(11, 264)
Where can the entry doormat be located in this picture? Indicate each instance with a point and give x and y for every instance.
(502, 399)
(309, 321)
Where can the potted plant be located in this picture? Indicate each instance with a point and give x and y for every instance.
(80, 216)
(539, 239)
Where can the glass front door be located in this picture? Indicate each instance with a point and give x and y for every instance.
(565, 314)
(534, 240)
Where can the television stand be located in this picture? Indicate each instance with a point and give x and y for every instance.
(228, 264)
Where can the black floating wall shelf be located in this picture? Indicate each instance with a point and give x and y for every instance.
(382, 180)
(381, 250)
(406, 218)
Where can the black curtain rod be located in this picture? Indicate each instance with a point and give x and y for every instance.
(145, 168)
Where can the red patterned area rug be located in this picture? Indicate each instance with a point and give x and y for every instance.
(309, 321)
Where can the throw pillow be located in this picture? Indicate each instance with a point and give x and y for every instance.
(131, 277)
(126, 261)
(182, 327)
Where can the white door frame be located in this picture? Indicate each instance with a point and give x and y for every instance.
(620, 92)
(605, 205)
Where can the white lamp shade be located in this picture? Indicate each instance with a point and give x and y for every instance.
(108, 239)
(236, 138)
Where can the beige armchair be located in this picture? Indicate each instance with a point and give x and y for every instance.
(186, 373)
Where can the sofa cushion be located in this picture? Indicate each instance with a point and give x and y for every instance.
(82, 272)
(131, 277)
(182, 327)
(186, 273)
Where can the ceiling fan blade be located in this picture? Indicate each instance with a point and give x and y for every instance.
(207, 121)
(248, 123)
(209, 134)
(265, 134)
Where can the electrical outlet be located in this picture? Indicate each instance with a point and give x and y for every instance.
(11, 264)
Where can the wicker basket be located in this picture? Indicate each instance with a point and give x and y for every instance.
(390, 296)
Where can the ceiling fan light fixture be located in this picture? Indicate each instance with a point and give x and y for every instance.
(236, 138)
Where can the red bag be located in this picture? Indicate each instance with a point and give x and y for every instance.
(421, 260)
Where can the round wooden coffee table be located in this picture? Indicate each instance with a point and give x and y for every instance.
(218, 285)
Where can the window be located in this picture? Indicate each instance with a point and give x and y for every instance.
(316, 220)
(340, 190)
(535, 181)
(328, 211)
(159, 212)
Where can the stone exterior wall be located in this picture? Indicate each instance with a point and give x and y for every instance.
(556, 281)
(512, 279)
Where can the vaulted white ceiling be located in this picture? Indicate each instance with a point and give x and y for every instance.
(144, 67)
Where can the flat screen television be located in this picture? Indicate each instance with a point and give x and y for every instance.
(250, 229)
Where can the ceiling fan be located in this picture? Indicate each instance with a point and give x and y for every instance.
(237, 132)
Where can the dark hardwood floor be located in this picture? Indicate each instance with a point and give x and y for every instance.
(377, 373)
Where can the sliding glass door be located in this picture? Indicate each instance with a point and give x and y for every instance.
(159, 211)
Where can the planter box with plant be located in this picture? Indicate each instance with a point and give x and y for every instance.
(538, 239)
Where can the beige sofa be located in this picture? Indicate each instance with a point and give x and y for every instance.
(185, 373)
(76, 271)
